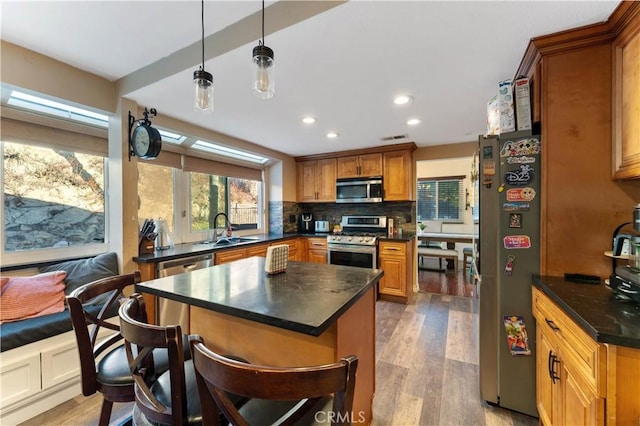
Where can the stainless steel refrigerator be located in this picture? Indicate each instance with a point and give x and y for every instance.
(509, 250)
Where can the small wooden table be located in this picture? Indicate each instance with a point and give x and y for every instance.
(451, 238)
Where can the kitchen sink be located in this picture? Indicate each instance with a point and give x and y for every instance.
(233, 240)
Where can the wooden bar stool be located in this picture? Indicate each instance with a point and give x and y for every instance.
(300, 395)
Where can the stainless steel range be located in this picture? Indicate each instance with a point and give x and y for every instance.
(357, 244)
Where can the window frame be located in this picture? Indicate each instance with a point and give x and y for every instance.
(51, 253)
(461, 198)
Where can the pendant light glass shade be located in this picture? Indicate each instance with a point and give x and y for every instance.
(264, 83)
(203, 81)
(203, 97)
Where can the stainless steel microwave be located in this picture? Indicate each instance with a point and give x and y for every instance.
(359, 190)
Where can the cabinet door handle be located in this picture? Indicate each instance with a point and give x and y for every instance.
(553, 360)
(552, 325)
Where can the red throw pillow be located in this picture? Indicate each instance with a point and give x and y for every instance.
(28, 297)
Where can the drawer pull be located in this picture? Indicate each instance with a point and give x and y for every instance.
(317, 244)
(553, 360)
(392, 249)
(552, 325)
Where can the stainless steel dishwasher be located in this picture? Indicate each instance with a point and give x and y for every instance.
(169, 311)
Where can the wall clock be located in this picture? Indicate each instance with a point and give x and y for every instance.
(145, 142)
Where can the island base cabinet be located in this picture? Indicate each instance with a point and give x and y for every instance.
(352, 333)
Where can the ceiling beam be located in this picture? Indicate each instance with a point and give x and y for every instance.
(281, 15)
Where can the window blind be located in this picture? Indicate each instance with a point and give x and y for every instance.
(441, 198)
(201, 165)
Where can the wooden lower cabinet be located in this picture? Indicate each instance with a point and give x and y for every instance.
(257, 250)
(578, 380)
(229, 255)
(395, 259)
(296, 253)
(317, 250)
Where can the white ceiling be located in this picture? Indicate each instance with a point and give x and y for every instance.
(343, 65)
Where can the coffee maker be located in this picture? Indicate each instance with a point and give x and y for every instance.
(307, 224)
(625, 279)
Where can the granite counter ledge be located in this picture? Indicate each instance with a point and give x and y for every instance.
(306, 298)
(595, 309)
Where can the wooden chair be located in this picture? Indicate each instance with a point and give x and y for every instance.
(172, 398)
(110, 375)
(302, 395)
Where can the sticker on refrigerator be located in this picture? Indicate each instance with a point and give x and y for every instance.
(514, 207)
(517, 338)
(521, 160)
(521, 194)
(508, 267)
(515, 220)
(516, 242)
(487, 152)
(518, 148)
(488, 172)
(520, 177)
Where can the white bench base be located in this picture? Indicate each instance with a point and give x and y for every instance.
(448, 254)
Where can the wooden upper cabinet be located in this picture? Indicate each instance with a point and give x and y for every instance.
(626, 100)
(397, 176)
(360, 165)
(317, 180)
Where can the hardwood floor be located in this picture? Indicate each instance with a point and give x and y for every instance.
(427, 365)
(426, 368)
(433, 280)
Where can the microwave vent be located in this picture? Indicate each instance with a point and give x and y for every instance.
(394, 138)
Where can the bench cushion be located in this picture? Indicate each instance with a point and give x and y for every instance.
(23, 332)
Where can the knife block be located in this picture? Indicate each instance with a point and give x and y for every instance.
(146, 246)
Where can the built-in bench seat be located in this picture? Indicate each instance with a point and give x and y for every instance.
(447, 254)
(39, 365)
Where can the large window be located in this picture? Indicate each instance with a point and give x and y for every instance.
(211, 194)
(53, 198)
(156, 193)
(441, 199)
(181, 192)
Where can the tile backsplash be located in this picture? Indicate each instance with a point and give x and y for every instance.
(281, 213)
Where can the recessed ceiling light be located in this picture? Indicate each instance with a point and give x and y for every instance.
(309, 120)
(413, 121)
(332, 135)
(403, 99)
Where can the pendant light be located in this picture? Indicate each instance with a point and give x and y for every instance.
(264, 84)
(203, 81)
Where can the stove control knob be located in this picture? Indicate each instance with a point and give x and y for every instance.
(349, 239)
(363, 239)
(338, 238)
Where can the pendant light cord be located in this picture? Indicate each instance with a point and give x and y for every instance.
(263, 22)
(202, 21)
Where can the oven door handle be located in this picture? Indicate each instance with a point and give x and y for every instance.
(352, 249)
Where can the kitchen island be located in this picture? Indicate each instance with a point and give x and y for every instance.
(311, 314)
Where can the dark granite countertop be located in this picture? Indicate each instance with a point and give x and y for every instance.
(193, 249)
(595, 309)
(307, 298)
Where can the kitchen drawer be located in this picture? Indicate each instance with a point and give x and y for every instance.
(583, 355)
(392, 248)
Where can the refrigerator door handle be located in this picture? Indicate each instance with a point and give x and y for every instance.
(552, 325)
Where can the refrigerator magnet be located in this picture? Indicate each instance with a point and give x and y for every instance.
(508, 268)
(516, 242)
(521, 160)
(517, 337)
(515, 220)
(487, 152)
(518, 206)
(521, 194)
(520, 177)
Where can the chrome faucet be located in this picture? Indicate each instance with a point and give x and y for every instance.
(215, 223)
